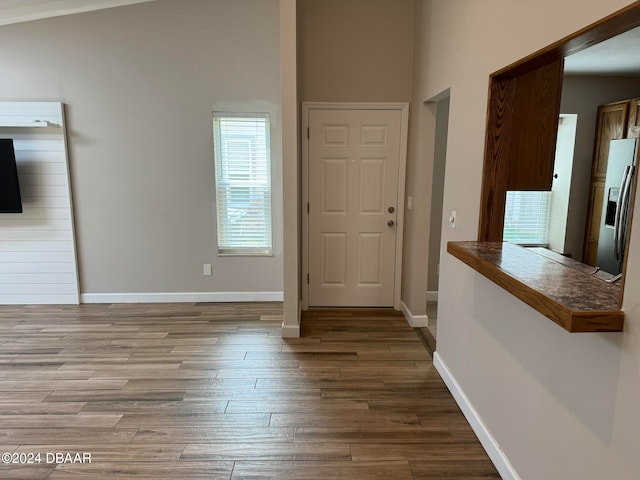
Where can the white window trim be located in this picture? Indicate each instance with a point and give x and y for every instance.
(265, 249)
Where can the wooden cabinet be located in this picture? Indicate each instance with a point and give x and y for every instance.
(614, 121)
(634, 119)
(536, 108)
(522, 126)
(594, 215)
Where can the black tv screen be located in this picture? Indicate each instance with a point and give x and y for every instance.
(10, 201)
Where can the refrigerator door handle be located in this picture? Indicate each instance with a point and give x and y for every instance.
(624, 219)
(618, 223)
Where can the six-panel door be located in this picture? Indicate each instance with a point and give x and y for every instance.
(353, 188)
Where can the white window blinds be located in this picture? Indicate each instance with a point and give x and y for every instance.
(243, 183)
(526, 218)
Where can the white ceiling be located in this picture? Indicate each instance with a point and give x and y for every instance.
(619, 55)
(16, 11)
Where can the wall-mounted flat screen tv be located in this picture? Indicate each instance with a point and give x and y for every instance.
(10, 201)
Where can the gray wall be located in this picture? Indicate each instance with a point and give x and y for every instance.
(355, 50)
(582, 95)
(559, 405)
(140, 83)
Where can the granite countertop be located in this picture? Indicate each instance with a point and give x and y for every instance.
(570, 262)
(564, 290)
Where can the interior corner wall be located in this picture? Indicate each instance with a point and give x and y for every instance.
(361, 51)
(582, 95)
(557, 405)
(140, 83)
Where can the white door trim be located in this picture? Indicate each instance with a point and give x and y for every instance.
(402, 169)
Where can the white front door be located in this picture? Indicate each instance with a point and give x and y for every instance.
(353, 168)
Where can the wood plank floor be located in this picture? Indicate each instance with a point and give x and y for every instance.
(202, 391)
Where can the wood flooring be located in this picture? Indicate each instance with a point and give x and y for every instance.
(211, 391)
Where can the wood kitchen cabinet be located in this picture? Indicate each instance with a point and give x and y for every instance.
(536, 108)
(634, 119)
(614, 121)
(521, 139)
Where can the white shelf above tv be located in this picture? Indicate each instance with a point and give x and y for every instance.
(31, 124)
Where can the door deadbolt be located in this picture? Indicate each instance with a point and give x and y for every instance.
(391, 223)
(391, 209)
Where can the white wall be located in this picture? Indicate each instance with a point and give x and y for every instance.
(291, 190)
(140, 83)
(561, 406)
(37, 246)
(561, 186)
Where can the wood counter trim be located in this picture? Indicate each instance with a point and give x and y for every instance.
(606, 318)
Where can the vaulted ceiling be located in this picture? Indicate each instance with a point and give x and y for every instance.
(16, 11)
(620, 55)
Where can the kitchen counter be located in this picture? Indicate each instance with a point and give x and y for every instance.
(561, 289)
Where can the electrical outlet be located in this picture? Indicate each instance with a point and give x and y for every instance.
(206, 269)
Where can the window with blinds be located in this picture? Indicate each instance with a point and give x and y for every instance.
(526, 218)
(243, 183)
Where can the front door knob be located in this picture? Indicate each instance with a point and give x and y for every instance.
(391, 209)
(391, 223)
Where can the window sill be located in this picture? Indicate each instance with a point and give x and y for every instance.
(562, 290)
(240, 253)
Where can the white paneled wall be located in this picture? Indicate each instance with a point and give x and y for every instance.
(37, 247)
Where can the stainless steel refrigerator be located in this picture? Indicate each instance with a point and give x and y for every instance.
(621, 167)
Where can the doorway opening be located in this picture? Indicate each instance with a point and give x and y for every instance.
(438, 107)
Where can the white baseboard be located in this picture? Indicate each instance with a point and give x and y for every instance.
(432, 296)
(181, 297)
(292, 331)
(413, 320)
(497, 456)
(54, 299)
